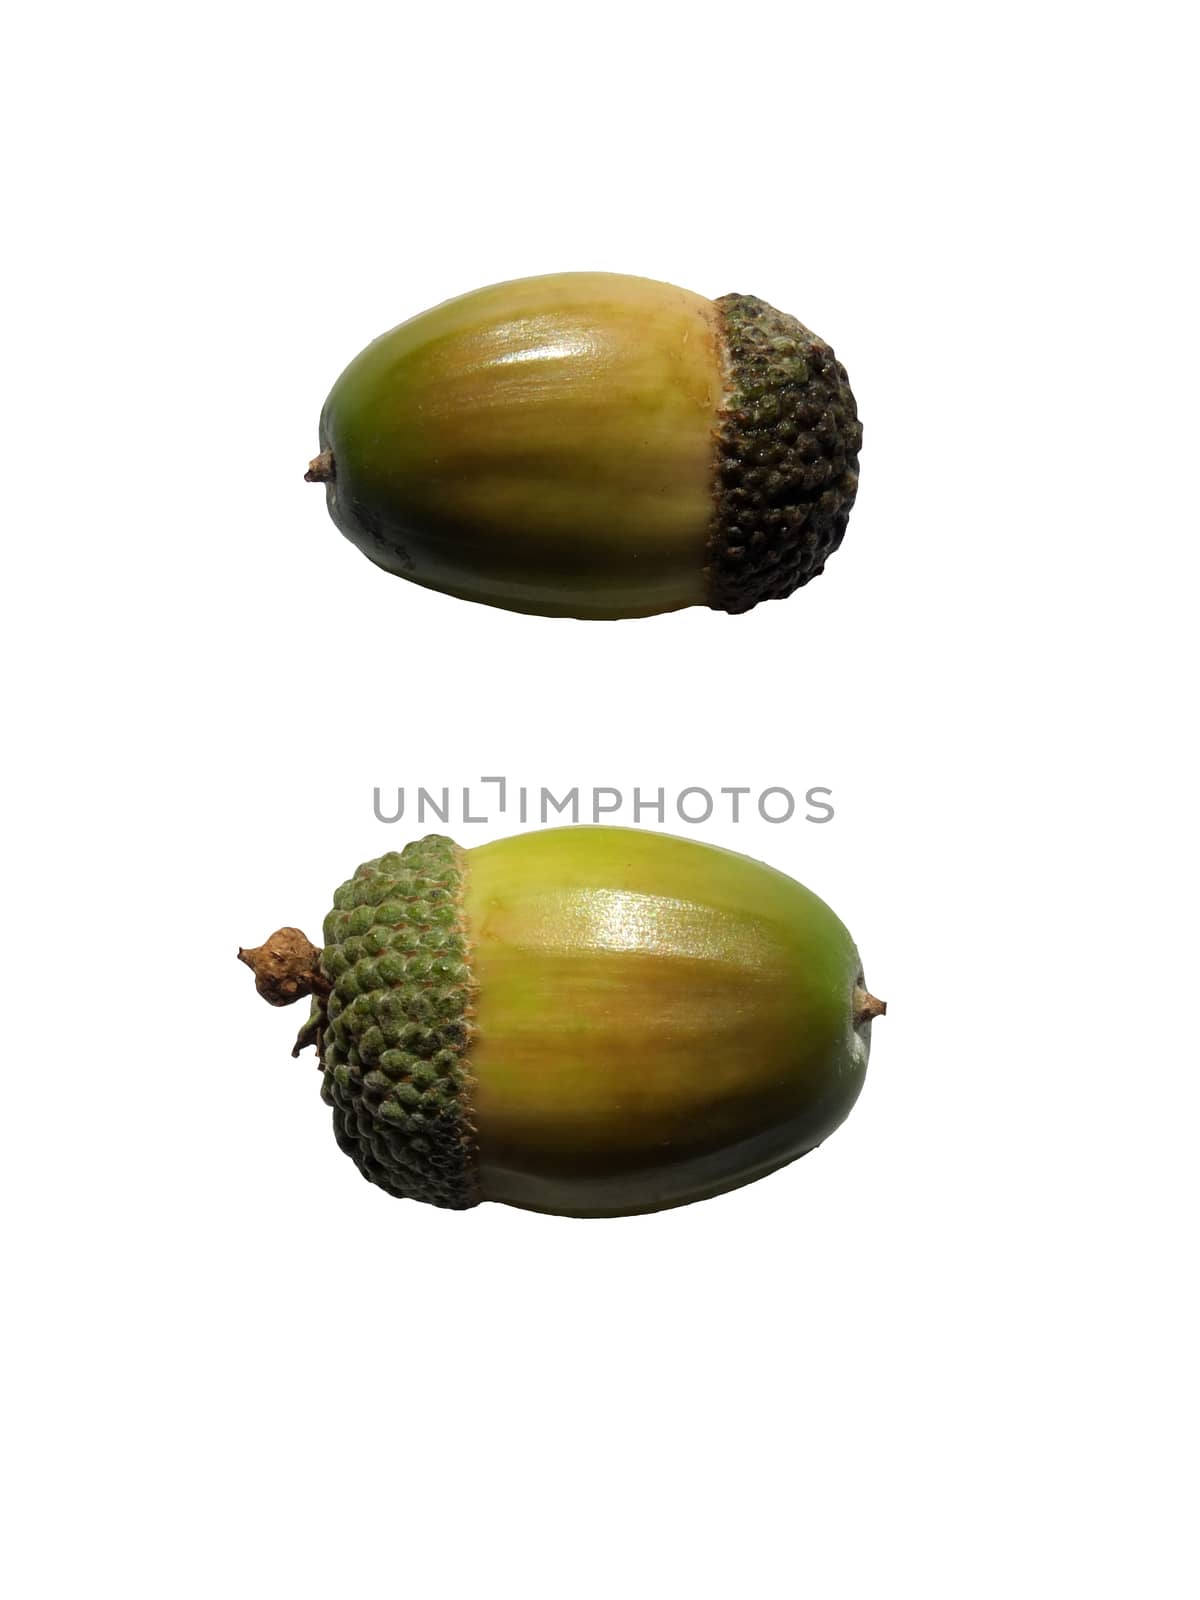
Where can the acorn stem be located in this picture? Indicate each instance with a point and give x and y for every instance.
(286, 968)
(320, 468)
(867, 1008)
(311, 1033)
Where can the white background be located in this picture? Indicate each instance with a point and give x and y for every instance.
(951, 1354)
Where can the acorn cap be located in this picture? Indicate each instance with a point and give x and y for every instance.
(391, 1020)
(786, 468)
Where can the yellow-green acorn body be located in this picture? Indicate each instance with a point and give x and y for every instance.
(587, 1021)
(594, 445)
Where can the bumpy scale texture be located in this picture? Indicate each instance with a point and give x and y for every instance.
(394, 1030)
(787, 463)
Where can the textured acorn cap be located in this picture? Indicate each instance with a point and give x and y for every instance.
(393, 1033)
(391, 1020)
(786, 469)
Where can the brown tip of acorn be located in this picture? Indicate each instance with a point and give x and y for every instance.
(286, 968)
(867, 1008)
(320, 468)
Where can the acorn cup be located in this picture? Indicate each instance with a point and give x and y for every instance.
(593, 445)
(589, 1021)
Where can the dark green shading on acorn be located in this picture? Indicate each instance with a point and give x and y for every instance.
(588, 1021)
(594, 445)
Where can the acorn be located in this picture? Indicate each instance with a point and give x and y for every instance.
(589, 1021)
(593, 445)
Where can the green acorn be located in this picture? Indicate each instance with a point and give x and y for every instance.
(587, 1021)
(593, 445)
